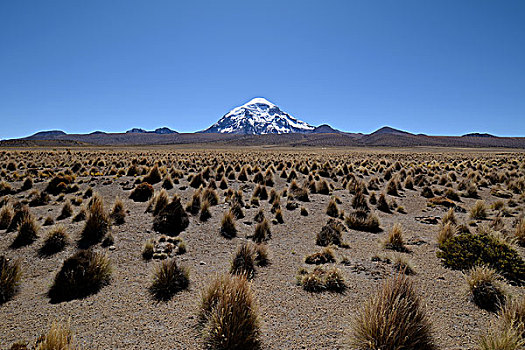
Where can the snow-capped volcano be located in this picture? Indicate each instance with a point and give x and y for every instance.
(259, 116)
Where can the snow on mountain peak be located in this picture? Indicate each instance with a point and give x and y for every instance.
(259, 116)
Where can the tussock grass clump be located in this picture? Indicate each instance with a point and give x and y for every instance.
(304, 211)
(332, 209)
(228, 228)
(486, 288)
(60, 184)
(158, 202)
(205, 213)
(118, 213)
(168, 279)
(194, 204)
(449, 217)
(27, 231)
(403, 264)
(211, 196)
(466, 250)
(243, 261)
(97, 223)
(326, 255)
(10, 275)
(55, 241)
(229, 314)
(58, 337)
(395, 239)
(261, 255)
(446, 232)
(478, 211)
(67, 211)
(81, 275)
(153, 176)
(172, 219)
(330, 234)
(6, 215)
(508, 332)
(519, 232)
(262, 232)
(148, 249)
(21, 211)
(142, 193)
(359, 201)
(363, 221)
(427, 192)
(321, 279)
(393, 318)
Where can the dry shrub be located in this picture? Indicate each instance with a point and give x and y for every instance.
(228, 229)
(519, 232)
(393, 318)
(168, 279)
(261, 255)
(10, 275)
(55, 241)
(486, 288)
(359, 201)
(211, 196)
(60, 184)
(229, 314)
(449, 217)
(82, 274)
(326, 255)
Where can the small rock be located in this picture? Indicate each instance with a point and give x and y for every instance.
(202, 263)
(112, 247)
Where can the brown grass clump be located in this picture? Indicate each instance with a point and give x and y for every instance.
(382, 203)
(261, 255)
(67, 211)
(6, 215)
(142, 193)
(478, 211)
(148, 250)
(446, 231)
(82, 274)
(97, 223)
(326, 255)
(59, 337)
(55, 241)
(229, 314)
(486, 288)
(10, 275)
(205, 211)
(279, 216)
(172, 219)
(332, 209)
(118, 213)
(363, 221)
(27, 231)
(228, 229)
(393, 318)
(359, 201)
(321, 279)
(153, 176)
(508, 332)
(243, 261)
(211, 196)
(168, 279)
(158, 202)
(194, 205)
(395, 239)
(330, 234)
(519, 232)
(60, 184)
(262, 232)
(20, 212)
(449, 217)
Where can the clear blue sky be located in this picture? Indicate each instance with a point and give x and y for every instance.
(437, 67)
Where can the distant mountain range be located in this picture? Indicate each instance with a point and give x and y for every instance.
(260, 122)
